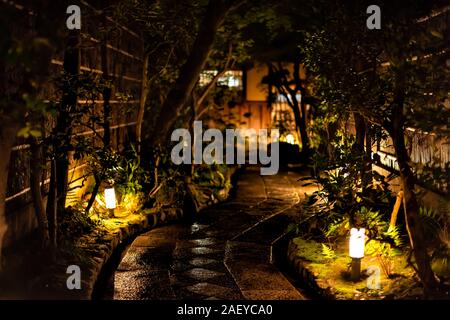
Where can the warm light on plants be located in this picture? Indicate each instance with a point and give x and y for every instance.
(130, 203)
(357, 240)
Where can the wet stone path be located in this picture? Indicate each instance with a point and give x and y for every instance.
(225, 254)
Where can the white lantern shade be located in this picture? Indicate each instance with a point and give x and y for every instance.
(357, 241)
(110, 198)
(290, 139)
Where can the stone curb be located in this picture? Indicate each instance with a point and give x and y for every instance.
(100, 252)
(148, 222)
(305, 275)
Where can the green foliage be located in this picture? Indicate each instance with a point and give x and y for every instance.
(167, 184)
(29, 131)
(322, 128)
(435, 228)
(104, 163)
(344, 200)
(338, 206)
(75, 222)
(411, 58)
(130, 176)
(431, 222)
(376, 225)
(328, 252)
(436, 233)
(441, 258)
(85, 116)
(213, 176)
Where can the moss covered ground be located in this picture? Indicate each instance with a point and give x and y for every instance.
(332, 273)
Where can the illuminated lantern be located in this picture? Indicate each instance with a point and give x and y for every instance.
(357, 240)
(110, 199)
(290, 139)
(356, 251)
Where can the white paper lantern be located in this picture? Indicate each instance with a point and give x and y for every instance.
(357, 242)
(110, 198)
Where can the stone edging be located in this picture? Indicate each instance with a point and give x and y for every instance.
(148, 222)
(99, 253)
(305, 275)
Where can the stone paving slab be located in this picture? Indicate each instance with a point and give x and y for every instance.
(256, 277)
(267, 231)
(132, 285)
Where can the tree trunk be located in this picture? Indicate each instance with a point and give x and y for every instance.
(360, 128)
(64, 124)
(302, 121)
(36, 164)
(189, 73)
(411, 208)
(304, 131)
(7, 139)
(93, 195)
(52, 207)
(358, 147)
(297, 116)
(368, 176)
(411, 205)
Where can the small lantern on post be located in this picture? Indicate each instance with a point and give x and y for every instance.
(110, 200)
(356, 251)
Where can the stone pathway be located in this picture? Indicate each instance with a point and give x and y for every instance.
(225, 254)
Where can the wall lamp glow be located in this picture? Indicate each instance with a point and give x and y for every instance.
(356, 251)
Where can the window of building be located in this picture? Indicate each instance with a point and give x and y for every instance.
(231, 78)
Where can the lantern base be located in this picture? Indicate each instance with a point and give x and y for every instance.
(355, 273)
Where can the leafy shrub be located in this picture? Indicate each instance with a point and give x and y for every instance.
(214, 176)
(74, 223)
(131, 176)
(376, 228)
(436, 232)
(344, 200)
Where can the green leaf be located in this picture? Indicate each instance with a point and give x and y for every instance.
(24, 132)
(35, 133)
(328, 252)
